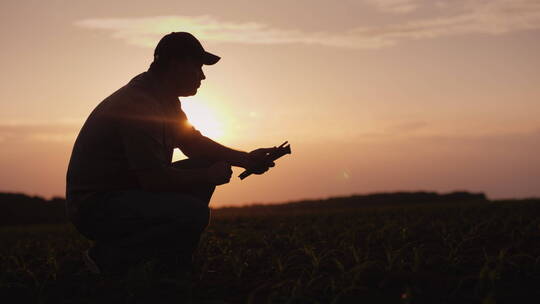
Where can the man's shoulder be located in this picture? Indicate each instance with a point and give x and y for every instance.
(131, 98)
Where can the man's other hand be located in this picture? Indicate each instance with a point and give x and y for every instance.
(258, 161)
(219, 173)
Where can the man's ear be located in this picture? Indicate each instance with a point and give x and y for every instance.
(173, 64)
(187, 61)
(172, 67)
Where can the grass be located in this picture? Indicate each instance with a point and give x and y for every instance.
(469, 252)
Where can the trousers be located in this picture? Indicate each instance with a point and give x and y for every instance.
(130, 225)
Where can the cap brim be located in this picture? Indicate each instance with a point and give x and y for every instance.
(209, 58)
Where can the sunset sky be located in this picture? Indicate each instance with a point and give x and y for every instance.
(373, 95)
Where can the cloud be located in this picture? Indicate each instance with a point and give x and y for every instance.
(148, 30)
(407, 127)
(63, 130)
(394, 6)
(491, 17)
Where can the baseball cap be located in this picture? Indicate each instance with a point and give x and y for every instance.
(178, 44)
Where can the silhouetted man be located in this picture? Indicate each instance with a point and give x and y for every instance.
(123, 191)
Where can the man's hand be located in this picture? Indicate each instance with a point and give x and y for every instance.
(219, 173)
(258, 161)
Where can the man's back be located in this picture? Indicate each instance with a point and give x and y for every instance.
(130, 117)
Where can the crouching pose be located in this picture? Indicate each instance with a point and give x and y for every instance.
(124, 192)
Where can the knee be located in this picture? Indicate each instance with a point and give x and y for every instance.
(196, 220)
(203, 191)
(202, 219)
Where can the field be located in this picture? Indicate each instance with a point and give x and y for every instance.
(455, 252)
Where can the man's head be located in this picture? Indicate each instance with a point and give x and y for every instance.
(178, 59)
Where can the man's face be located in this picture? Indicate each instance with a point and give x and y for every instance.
(185, 76)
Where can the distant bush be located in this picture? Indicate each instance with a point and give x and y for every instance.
(21, 209)
(375, 200)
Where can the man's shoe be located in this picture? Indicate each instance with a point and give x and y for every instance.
(90, 262)
(107, 261)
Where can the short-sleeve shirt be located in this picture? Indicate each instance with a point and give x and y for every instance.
(136, 128)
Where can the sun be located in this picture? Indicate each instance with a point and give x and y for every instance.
(203, 118)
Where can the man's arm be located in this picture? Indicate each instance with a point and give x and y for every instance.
(195, 145)
(257, 161)
(204, 147)
(141, 133)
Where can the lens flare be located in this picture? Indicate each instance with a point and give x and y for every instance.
(203, 118)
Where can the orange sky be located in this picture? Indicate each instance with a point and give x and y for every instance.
(373, 95)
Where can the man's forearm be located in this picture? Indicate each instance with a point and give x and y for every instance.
(206, 148)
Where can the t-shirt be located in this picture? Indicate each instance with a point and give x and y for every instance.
(135, 128)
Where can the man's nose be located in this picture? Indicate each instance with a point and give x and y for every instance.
(203, 77)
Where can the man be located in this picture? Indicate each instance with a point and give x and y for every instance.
(124, 192)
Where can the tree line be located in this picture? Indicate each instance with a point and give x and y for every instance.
(21, 209)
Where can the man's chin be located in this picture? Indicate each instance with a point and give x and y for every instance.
(187, 93)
